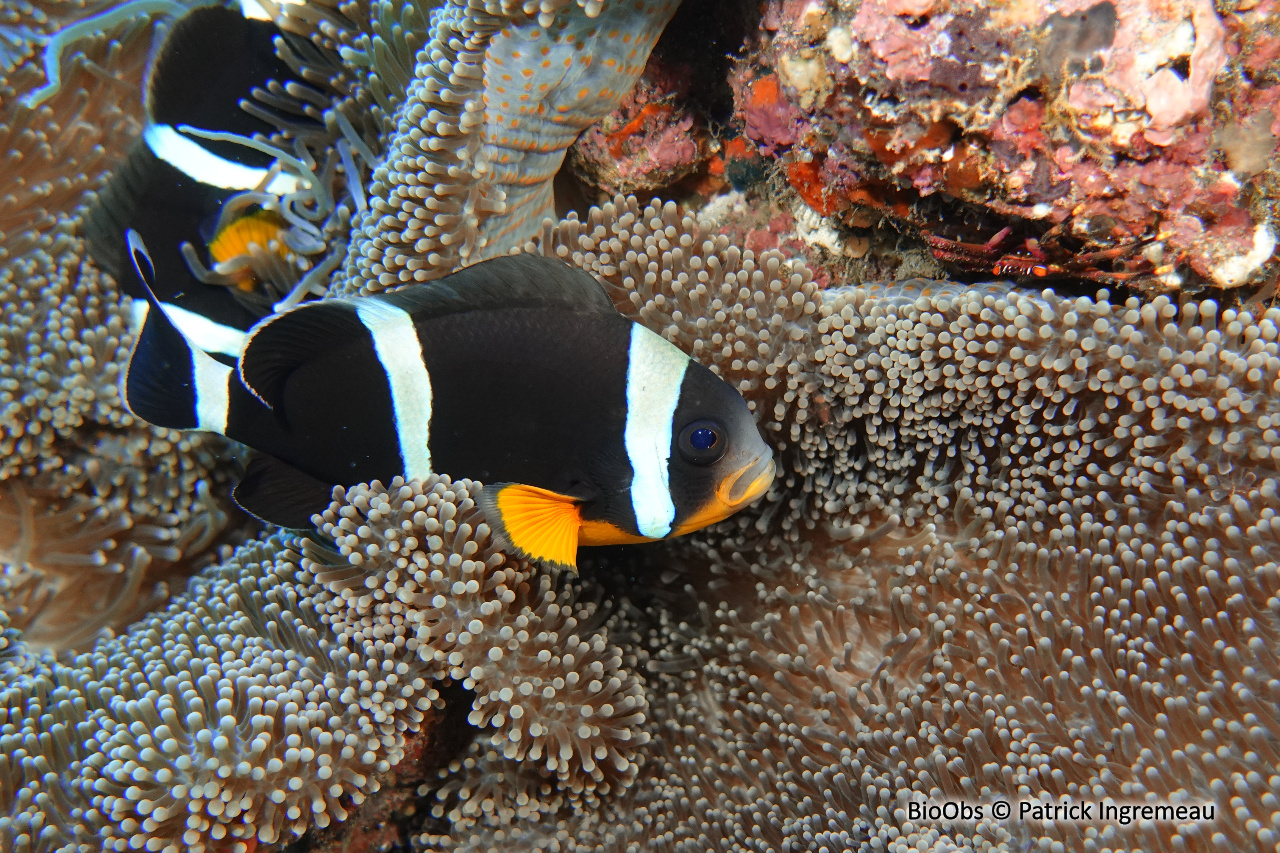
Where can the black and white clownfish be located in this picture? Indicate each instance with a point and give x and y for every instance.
(172, 186)
(587, 428)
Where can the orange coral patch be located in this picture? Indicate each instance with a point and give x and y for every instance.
(650, 111)
(891, 149)
(883, 197)
(963, 171)
(806, 178)
(764, 93)
(738, 149)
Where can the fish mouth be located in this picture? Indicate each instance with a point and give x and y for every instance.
(748, 482)
(733, 493)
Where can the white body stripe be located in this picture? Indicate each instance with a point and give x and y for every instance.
(210, 336)
(253, 9)
(197, 328)
(395, 341)
(655, 370)
(189, 157)
(211, 378)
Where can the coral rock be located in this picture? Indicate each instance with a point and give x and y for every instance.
(1096, 114)
(646, 145)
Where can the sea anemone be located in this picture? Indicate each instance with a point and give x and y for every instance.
(1021, 547)
(271, 695)
(96, 509)
(496, 98)
(1025, 550)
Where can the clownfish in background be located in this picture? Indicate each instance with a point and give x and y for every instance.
(172, 186)
(586, 428)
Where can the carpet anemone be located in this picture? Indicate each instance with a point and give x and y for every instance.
(1021, 547)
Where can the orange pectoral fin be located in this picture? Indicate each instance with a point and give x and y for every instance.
(539, 524)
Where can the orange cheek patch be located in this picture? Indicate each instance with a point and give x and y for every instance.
(714, 510)
(725, 502)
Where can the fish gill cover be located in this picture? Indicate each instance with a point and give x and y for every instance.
(1022, 545)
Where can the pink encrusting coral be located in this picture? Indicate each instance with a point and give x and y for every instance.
(906, 36)
(769, 118)
(651, 141)
(1113, 118)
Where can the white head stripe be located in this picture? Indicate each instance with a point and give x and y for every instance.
(395, 341)
(189, 157)
(210, 377)
(655, 370)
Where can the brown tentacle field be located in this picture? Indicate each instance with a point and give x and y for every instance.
(1021, 546)
(98, 512)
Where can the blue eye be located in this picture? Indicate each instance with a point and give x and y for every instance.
(703, 438)
(702, 442)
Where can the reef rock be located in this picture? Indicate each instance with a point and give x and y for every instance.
(1113, 117)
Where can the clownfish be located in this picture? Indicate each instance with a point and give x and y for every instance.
(587, 428)
(173, 183)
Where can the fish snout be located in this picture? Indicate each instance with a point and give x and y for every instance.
(748, 482)
(744, 484)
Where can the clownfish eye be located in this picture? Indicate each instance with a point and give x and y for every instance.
(703, 442)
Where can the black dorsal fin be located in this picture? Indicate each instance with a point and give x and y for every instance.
(113, 211)
(159, 384)
(280, 494)
(282, 342)
(510, 281)
(212, 59)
